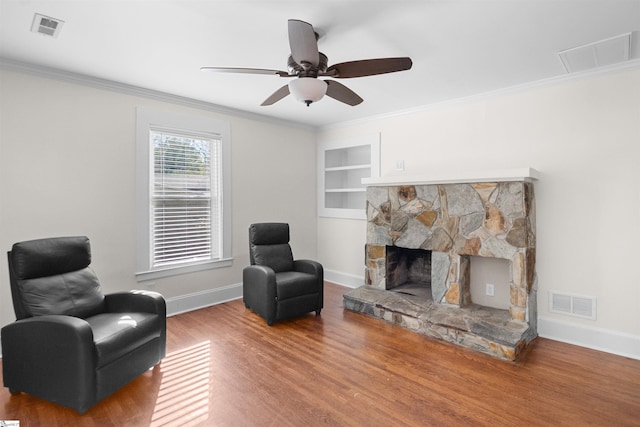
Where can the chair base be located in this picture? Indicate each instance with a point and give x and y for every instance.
(270, 322)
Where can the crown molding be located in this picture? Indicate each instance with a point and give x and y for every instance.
(110, 85)
(551, 81)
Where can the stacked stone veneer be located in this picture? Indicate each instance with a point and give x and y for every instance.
(456, 221)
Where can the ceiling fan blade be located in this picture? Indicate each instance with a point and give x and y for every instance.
(246, 71)
(368, 67)
(303, 42)
(276, 96)
(342, 93)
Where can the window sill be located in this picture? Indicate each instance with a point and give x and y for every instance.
(183, 269)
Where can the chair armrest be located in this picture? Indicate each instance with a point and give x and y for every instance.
(136, 301)
(309, 266)
(315, 268)
(52, 328)
(261, 278)
(259, 290)
(57, 347)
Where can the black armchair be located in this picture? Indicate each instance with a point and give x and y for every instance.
(71, 344)
(274, 285)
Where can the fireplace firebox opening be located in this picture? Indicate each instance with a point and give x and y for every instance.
(408, 271)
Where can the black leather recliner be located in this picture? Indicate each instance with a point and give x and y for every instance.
(274, 285)
(71, 344)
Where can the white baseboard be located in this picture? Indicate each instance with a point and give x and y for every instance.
(189, 302)
(606, 340)
(344, 279)
(622, 344)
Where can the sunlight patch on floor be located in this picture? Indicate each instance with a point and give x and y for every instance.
(183, 398)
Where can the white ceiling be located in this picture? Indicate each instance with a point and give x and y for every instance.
(459, 47)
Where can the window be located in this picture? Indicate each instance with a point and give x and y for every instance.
(185, 202)
(183, 194)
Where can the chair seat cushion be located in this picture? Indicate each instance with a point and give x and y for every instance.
(291, 284)
(116, 334)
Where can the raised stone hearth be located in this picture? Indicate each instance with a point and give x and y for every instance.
(450, 223)
(485, 329)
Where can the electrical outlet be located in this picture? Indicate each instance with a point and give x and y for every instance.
(400, 165)
(490, 290)
(151, 286)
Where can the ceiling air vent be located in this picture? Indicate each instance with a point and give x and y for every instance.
(573, 305)
(605, 52)
(46, 25)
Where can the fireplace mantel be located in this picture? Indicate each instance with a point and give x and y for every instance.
(501, 175)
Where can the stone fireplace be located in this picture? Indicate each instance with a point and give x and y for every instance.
(420, 240)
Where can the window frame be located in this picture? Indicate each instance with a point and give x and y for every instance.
(148, 120)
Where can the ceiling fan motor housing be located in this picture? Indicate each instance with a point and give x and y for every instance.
(308, 70)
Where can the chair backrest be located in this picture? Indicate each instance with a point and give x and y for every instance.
(52, 276)
(269, 246)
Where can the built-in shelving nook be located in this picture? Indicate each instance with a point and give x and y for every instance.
(343, 165)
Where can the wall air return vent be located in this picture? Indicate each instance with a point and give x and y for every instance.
(573, 305)
(46, 25)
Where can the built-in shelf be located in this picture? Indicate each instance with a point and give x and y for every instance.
(342, 166)
(347, 168)
(502, 175)
(345, 190)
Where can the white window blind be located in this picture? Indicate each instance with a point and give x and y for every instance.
(186, 202)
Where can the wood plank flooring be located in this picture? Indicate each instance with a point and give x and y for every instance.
(226, 367)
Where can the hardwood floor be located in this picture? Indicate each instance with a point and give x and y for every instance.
(226, 367)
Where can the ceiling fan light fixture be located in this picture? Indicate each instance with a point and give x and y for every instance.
(307, 89)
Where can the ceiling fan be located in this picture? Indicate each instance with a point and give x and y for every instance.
(306, 63)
